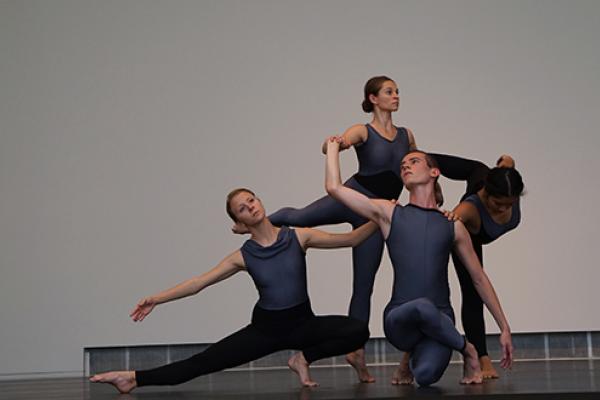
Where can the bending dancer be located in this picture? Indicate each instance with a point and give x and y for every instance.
(419, 317)
(489, 209)
(282, 318)
(379, 146)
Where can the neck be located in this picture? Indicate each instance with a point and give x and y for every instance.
(382, 118)
(423, 196)
(264, 233)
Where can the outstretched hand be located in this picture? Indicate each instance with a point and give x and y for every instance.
(142, 309)
(507, 350)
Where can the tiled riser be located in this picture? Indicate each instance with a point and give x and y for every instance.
(528, 346)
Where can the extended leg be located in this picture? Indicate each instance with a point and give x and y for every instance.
(462, 169)
(241, 347)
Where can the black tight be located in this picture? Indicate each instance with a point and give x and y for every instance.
(474, 173)
(270, 331)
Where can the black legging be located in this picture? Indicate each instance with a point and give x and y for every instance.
(474, 173)
(270, 331)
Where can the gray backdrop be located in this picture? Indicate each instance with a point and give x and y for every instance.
(124, 124)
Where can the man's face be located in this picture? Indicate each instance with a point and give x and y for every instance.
(414, 170)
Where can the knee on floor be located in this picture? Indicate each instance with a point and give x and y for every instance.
(427, 375)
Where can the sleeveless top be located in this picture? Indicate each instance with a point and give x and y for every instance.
(419, 245)
(490, 230)
(379, 162)
(278, 271)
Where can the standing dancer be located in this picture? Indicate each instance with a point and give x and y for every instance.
(419, 317)
(282, 318)
(489, 208)
(379, 146)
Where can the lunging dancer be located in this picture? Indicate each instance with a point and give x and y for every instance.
(282, 318)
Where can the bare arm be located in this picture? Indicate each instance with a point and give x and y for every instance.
(412, 144)
(354, 135)
(468, 214)
(485, 289)
(378, 211)
(325, 240)
(226, 268)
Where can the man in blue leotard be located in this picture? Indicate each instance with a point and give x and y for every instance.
(419, 318)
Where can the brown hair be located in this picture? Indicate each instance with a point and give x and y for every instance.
(372, 87)
(432, 163)
(230, 196)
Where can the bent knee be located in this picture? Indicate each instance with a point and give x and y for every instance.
(426, 376)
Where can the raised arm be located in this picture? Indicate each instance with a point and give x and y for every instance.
(356, 134)
(378, 211)
(226, 268)
(325, 240)
(485, 289)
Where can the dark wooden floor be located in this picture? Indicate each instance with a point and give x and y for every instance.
(530, 380)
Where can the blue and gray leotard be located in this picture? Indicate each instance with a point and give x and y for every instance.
(278, 271)
(491, 230)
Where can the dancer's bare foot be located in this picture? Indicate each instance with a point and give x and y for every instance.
(299, 365)
(471, 368)
(403, 374)
(487, 369)
(357, 360)
(124, 381)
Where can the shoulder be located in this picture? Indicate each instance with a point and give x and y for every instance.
(356, 134)
(411, 138)
(236, 259)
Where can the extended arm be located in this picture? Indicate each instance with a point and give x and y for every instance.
(326, 240)
(378, 211)
(485, 289)
(226, 268)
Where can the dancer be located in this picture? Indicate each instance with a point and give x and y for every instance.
(489, 208)
(380, 146)
(282, 318)
(419, 317)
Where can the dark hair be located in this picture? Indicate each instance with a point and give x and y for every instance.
(230, 196)
(504, 182)
(372, 87)
(432, 163)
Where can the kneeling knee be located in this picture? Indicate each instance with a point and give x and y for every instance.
(427, 376)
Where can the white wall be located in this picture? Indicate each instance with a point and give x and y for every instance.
(123, 124)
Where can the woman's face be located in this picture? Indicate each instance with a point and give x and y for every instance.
(387, 98)
(247, 208)
(500, 204)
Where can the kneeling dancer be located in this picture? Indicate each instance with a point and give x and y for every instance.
(419, 317)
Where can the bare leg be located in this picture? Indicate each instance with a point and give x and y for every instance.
(357, 360)
(472, 369)
(403, 375)
(124, 381)
(487, 369)
(299, 365)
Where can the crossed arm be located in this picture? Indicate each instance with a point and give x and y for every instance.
(230, 265)
(464, 248)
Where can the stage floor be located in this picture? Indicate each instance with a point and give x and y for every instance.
(527, 380)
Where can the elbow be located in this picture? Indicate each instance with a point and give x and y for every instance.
(332, 189)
